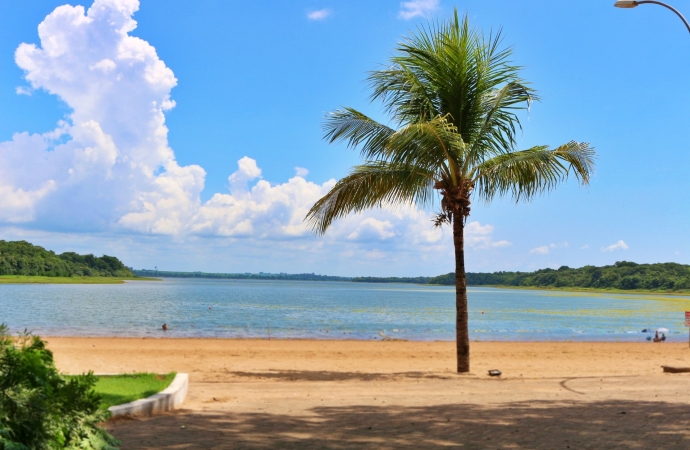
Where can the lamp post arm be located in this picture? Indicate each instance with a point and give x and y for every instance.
(687, 25)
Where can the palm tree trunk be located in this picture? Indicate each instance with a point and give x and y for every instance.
(461, 317)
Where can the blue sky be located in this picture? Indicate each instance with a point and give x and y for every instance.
(193, 140)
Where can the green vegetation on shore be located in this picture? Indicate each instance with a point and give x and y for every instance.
(415, 280)
(23, 258)
(239, 276)
(278, 276)
(27, 279)
(120, 389)
(622, 276)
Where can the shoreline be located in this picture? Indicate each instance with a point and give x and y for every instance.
(583, 290)
(30, 279)
(210, 358)
(351, 340)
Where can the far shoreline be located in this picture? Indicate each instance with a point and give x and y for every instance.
(30, 279)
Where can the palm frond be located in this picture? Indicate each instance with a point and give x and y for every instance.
(374, 184)
(432, 144)
(495, 134)
(446, 69)
(527, 173)
(357, 129)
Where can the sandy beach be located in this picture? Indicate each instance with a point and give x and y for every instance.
(369, 394)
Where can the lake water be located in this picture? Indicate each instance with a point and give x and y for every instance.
(332, 310)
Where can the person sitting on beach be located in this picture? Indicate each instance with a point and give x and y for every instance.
(165, 327)
(656, 337)
(663, 337)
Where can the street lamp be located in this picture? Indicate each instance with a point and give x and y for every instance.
(633, 3)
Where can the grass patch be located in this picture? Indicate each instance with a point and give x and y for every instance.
(27, 279)
(119, 389)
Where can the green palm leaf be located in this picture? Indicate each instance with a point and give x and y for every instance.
(357, 130)
(527, 173)
(371, 185)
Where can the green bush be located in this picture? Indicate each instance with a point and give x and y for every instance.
(41, 410)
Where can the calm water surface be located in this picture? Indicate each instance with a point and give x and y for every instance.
(332, 310)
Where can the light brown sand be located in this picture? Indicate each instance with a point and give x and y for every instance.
(355, 394)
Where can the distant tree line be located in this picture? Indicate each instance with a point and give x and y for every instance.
(239, 276)
(622, 275)
(23, 258)
(417, 280)
(278, 276)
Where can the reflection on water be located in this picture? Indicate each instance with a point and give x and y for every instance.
(331, 310)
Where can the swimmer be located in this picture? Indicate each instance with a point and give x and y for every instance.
(165, 327)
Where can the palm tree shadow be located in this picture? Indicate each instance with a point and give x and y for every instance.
(523, 425)
(327, 375)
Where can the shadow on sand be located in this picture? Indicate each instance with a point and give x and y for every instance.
(525, 425)
(325, 375)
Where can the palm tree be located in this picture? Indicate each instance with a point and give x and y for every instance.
(455, 97)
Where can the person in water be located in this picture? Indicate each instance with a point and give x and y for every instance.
(663, 337)
(165, 327)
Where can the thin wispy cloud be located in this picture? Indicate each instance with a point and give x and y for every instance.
(620, 245)
(417, 8)
(546, 249)
(320, 14)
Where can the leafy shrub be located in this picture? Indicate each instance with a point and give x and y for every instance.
(41, 410)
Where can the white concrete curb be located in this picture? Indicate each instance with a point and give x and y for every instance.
(167, 400)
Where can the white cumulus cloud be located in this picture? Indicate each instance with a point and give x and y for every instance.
(108, 168)
(108, 165)
(372, 229)
(415, 8)
(620, 245)
(543, 250)
(319, 14)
